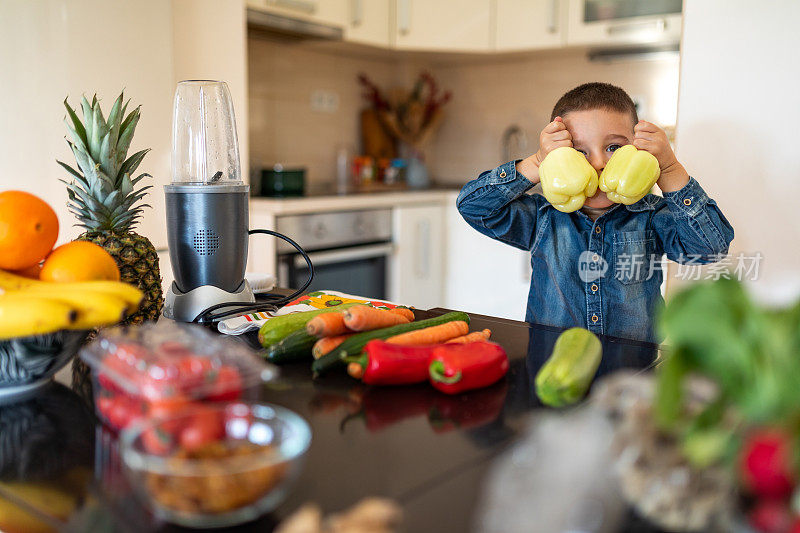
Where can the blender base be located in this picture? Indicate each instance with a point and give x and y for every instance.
(185, 306)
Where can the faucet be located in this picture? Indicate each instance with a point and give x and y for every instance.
(515, 134)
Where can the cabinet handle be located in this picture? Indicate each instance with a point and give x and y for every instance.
(552, 21)
(306, 6)
(659, 25)
(404, 16)
(357, 12)
(422, 266)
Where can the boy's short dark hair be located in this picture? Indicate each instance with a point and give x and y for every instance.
(595, 95)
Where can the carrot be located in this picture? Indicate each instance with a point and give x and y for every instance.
(404, 311)
(432, 335)
(327, 325)
(355, 370)
(365, 318)
(326, 344)
(475, 336)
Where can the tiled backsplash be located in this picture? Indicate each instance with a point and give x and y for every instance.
(490, 93)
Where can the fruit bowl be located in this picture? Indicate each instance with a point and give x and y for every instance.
(27, 363)
(236, 462)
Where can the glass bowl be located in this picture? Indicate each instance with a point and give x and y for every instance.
(215, 465)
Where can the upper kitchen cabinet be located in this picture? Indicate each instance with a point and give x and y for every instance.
(530, 24)
(368, 22)
(443, 25)
(331, 12)
(624, 22)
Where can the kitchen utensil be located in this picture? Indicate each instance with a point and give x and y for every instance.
(207, 203)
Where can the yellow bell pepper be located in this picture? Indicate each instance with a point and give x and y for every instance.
(567, 179)
(629, 175)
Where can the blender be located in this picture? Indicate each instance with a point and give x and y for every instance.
(207, 203)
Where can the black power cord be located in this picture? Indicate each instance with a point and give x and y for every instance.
(270, 301)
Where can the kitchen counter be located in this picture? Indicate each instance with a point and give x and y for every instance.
(428, 451)
(348, 202)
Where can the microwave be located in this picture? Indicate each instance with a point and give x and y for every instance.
(624, 22)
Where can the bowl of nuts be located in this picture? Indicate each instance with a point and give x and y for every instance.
(215, 465)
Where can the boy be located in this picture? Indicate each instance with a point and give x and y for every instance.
(598, 267)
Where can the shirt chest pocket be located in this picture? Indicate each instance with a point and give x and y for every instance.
(634, 256)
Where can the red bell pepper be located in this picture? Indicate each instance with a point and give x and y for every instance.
(456, 368)
(393, 364)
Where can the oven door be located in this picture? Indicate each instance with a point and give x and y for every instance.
(356, 270)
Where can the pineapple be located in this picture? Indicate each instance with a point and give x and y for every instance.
(103, 195)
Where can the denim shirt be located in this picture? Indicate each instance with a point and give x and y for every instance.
(604, 275)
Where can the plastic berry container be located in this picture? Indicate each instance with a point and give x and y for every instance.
(157, 370)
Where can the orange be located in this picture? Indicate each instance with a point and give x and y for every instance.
(79, 261)
(28, 229)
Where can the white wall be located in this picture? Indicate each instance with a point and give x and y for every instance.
(50, 49)
(737, 127)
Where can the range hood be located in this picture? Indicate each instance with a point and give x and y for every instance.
(291, 28)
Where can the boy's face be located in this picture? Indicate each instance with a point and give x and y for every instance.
(597, 133)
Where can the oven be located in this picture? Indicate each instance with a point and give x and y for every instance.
(350, 251)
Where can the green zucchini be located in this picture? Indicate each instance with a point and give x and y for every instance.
(294, 347)
(353, 345)
(278, 328)
(566, 375)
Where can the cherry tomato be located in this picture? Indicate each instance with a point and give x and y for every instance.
(157, 440)
(104, 406)
(227, 386)
(122, 412)
(194, 365)
(204, 427)
(169, 409)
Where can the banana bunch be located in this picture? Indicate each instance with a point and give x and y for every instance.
(33, 307)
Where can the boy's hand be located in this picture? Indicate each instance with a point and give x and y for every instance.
(651, 138)
(554, 135)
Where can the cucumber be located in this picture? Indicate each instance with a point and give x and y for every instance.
(566, 375)
(278, 328)
(294, 347)
(354, 345)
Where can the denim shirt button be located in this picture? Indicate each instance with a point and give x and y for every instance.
(595, 318)
(687, 201)
(595, 258)
(594, 287)
(597, 229)
(502, 173)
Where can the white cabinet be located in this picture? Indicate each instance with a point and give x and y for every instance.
(416, 269)
(482, 275)
(530, 24)
(443, 25)
(615, 22)
(333, 12)
(368, 22)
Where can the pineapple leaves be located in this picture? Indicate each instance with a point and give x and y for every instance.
(77, 128)
(87, 117)
(107, 156)
(126, 134)
(72, 171)
(99, 131)
(101, 189)
(115, 119)
(133, 162)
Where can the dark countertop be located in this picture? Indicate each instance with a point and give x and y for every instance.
(427, 450)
